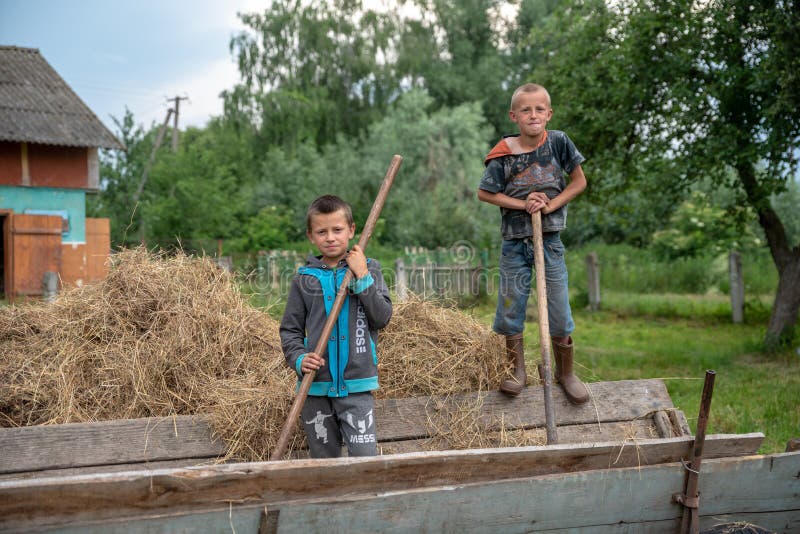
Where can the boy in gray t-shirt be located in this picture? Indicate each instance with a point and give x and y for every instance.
(535, 170)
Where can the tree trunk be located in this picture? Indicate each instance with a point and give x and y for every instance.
(787, 260)
(787, 302)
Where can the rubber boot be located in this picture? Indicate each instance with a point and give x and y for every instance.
(574, 389)
(516, 355)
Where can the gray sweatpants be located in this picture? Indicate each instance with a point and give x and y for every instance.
(330, 420)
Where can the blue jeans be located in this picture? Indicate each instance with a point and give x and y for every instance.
(516, 264)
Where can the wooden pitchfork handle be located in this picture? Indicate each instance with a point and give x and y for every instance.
(545, 370)
(322, 343)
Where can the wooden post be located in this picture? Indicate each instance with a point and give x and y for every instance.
(737, 286)
(175, 133)
(401, 280)
(593, 276)
(544, 329)
(485, 271)
(50, 286)
(428, 288)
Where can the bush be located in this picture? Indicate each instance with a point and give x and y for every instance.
(699, 228)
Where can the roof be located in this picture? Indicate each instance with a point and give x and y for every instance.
(37, 105)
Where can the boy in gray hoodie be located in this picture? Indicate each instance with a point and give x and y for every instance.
(340, 405)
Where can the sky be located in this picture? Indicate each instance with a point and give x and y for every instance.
(134, 53)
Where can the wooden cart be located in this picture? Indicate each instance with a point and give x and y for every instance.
(615, 469)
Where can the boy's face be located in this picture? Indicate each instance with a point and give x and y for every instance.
(531, 113)
(331, 234)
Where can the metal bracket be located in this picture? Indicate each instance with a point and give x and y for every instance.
(685, 500)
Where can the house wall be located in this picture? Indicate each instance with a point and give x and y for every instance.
(42, 199)
(10, 163)
(31, 164)
(58, 166)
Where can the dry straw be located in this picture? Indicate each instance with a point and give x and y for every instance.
(164, 335)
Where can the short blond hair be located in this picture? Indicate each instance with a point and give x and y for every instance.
(528, 88)
(328, 204)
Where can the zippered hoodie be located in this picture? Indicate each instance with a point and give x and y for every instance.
(351, 361)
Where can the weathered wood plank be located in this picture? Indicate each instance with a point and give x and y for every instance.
(679, 423)
(638, 498)
(181, 437)
(623, 400)
(663, 424)
(115, 468)
(120, 441)
(635, 499)
(243, 519)
(110, 442)
(105, 496)
(618, 431)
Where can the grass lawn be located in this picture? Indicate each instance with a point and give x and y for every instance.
(753, 392)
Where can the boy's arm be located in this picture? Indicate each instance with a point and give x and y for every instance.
(493, 183)
(293, 328)
(373, 293)
(535, 201)
(576, 185)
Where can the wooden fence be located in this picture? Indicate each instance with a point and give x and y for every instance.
(455, 272)
(734, 273)
(276, 268)
(450, 273)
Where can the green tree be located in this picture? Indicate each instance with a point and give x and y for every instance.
(313, 70)
(196, 193)
(466, 51)
(120, 172)
(669, 93)
(432, 202)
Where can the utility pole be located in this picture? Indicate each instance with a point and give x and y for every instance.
(140, 188)
(176, 107)
(159, 140)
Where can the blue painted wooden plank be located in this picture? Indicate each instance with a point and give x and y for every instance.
(594, 499)
(229, 520)
(613, 501)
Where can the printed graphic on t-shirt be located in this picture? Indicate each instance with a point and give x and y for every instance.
(536, 175)
(319, 427)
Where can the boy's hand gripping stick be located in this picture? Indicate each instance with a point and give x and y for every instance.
(308, 378)
(545, 370)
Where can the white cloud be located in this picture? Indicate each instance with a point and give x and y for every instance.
(203, 89)
(204, 85)
(223, 15)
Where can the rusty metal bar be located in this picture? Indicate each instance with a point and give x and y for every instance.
(690, 499)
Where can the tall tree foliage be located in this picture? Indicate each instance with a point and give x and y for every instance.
(453, 51)
(120, 174)
(432, 202)
(673, 92)
(196, 193)
(313, 70)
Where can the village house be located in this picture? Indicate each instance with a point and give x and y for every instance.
(49, 141)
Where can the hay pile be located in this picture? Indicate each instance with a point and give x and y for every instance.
(172, 335)
(159, 336)
(431, 350)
